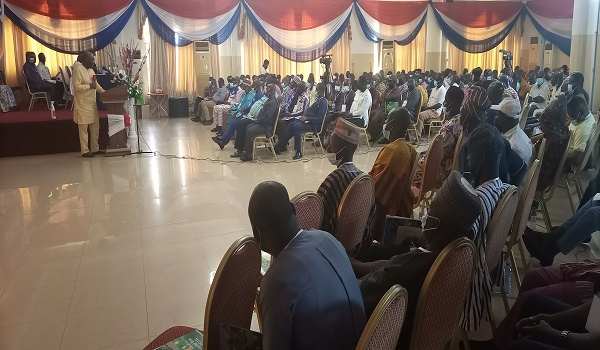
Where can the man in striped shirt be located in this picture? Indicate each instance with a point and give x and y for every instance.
(344, 142)
(485, 146)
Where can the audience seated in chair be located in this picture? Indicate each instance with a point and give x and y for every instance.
(204, 112)
(309, 121)
(390, 97)
(571, 283)
(392, 173)
(221, 111)
(35, 81)
(547, 323)
(450, 132)
(433, 110)
(340, 151)
(485, 146)
(507, 121)
(452, 214)
(256, 124)
(582, 126)
(309, 297)
(342, 98)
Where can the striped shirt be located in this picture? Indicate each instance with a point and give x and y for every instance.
(331, 192)
(480, 294)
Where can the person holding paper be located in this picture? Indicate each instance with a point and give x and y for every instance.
(85, 111)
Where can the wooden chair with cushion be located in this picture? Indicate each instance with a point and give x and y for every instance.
(431, 167)
(233, 291)
(40, 95)
(309, 210)
(523, 211)
(384, 325)
(574, 173)
(353, 212)
(544, 196)
(442, 296)
(267, 141)
(497, 232)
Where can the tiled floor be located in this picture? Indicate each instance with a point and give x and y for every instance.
(107, 253)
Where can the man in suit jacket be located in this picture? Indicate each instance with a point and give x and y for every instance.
(263, 124)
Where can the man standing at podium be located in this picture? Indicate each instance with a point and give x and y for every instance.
(85, 111)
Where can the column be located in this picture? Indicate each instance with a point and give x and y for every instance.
(585, 45)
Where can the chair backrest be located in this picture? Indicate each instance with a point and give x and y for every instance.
(431, 165)
(540, 155)
(456, 157)
(524, 112)
(27, 83)
(547, 192)
(275, 122)
(443, 295)
(588, 149)
(69, 72)
(413, 171)
(354, 210)
(499, 226)
(309, 209)
(233, 292)
(526, 195)
(64, 81)
(384, 325)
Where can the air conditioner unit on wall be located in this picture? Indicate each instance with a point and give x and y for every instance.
(534, 51)
(202, 66)
(388, 61)
(548, 55)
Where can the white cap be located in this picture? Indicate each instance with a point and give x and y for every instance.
(509, 106)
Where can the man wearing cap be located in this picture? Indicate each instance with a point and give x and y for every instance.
(309, 121)
(235, 96)
(340, 151)
(453, 210)
(392, 173)
(507, 121)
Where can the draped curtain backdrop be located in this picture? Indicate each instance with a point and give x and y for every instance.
(71, 26)
(412, 56)
(554, 20)
(303, 30)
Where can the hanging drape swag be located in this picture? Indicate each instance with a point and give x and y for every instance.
(391, 20)
(478, 26)
(64, 31)
(554, 20)
(302, 30)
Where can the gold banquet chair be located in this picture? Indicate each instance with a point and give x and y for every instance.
(498, 230)
(314, 137)
(267, 141)
(431, 167)
(309, 210)
(385, 324)
(442, 296)
(232, 294)
(526, 195)
(413, 127)
(353, 212)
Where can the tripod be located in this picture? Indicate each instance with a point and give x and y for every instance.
(137, 131)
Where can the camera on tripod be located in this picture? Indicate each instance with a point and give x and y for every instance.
(327, 76)
(507, 57)
(326, 60)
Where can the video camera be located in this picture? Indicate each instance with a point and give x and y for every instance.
(507, 57)
(327, 76)
(326, 60)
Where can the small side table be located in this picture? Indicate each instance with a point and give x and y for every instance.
(158, 100)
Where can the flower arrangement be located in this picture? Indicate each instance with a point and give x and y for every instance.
(126, 76)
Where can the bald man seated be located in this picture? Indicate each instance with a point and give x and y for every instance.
(309, 297)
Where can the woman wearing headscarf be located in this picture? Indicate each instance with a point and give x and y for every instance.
(450, 133)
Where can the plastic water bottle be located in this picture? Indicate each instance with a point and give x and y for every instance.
(507, 277)
(52, 110)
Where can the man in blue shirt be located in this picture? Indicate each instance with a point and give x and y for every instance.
(309, 297)
(312, 120)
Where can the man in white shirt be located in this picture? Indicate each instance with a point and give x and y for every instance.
(359, 110)
(434, 104)
(539, 93)
(264, 68)
(507, 121)
(581, 127)
(43, 70)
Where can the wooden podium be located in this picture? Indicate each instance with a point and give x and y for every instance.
(114, 97)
